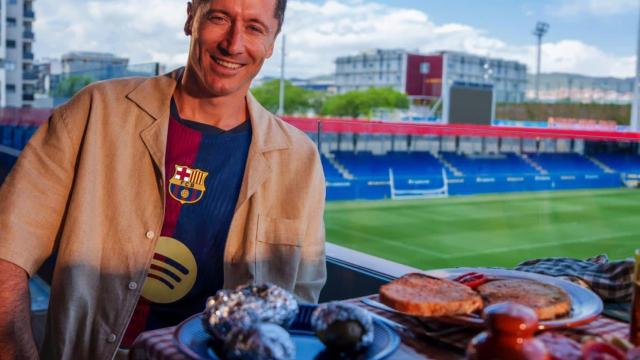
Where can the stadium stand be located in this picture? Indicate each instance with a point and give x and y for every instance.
(488, 164)
(565, 163)
(422, 173)
(330, 172)
(624, 163)
(364, 174)
(16, 136)
(365, 164)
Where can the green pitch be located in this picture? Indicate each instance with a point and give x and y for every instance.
(490, 230)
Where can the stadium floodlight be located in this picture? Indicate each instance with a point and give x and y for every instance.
(541, 29)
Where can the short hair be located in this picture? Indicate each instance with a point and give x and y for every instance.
(281, 7)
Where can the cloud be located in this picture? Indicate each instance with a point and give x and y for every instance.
(594, 7)
(145, 31)
(575, 56)
(317, 33)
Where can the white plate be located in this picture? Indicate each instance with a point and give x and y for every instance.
(585, 304)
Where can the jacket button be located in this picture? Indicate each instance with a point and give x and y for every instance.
(150, 234)
(111, 338)
(133, 285)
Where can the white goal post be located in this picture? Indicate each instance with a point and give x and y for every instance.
(405, 194)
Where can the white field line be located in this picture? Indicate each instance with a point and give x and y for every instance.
(386, 241)
(480, 198)
(542, 245)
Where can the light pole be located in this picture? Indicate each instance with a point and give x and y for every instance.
(635, 108)
(282, 83)
(540, 30)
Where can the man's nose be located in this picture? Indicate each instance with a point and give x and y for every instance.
(233, 44)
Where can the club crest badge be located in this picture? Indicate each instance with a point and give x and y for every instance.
(187, 185)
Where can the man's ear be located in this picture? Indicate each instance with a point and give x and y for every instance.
(188, 25)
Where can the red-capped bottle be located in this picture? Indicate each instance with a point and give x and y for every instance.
(634, 328)
(509, 336)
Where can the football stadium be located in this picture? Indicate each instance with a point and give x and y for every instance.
(437, 196)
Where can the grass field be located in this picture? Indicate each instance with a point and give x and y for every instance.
(490, 230)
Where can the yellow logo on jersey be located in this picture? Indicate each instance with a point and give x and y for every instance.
(187, 184)
(172, 273)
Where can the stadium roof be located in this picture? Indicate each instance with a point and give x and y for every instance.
(353, 126)
(35, 117)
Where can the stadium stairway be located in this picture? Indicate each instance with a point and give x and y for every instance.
(623, 163)
(565, 163)
(533, 164)
(447, 165)
(601, 165)
(331, 159)
(488, 164)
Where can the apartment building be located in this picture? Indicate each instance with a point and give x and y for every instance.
(423, 75)
(90, 63)
(374, 68)
(17, 76)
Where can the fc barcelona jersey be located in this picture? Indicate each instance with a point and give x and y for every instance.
(204, 170)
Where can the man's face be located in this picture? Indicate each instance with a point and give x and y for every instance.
(230, 41)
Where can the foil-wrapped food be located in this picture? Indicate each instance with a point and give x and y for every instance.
(262, 341)
(246, 306)
(343, 327)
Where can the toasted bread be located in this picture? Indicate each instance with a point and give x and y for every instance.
(546, 300)
(422, 295)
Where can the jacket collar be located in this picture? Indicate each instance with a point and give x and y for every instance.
(153, 96)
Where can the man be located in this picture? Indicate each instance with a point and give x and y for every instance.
(149, 212)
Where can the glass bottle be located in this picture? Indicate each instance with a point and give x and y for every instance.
(510, 335)
(634, 329)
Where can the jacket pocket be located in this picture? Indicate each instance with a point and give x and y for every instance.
(280, 231)
(278, 251)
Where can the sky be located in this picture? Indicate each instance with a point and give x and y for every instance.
(591, 37)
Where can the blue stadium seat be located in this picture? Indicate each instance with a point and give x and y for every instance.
(366, 165)
(624, 163)
(18, 137)
(489, 164)
(565, 163)
(330, 172)
(7, 135)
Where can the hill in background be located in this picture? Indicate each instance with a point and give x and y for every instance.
(543, 111)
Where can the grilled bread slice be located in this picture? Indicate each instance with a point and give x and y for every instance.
(422, 295)
(546, 300)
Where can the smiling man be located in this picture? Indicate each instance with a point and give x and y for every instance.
(155, 193)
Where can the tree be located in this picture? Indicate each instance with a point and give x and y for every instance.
(362, 103)
(69, 86)
(296, 99)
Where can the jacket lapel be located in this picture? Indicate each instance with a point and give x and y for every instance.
(267, 135)
(153, 97)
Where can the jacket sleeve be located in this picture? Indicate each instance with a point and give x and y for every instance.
(33, 197)
(312, 270)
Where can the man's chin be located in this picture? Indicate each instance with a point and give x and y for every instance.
(216, 89)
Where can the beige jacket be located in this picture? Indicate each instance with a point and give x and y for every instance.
(90, 185)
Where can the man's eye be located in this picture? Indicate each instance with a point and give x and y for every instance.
(217, 19)
(256, 29)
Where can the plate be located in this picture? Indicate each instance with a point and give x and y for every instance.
(192, 339)
(585, 304)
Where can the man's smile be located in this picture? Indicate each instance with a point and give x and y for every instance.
(226, 64)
